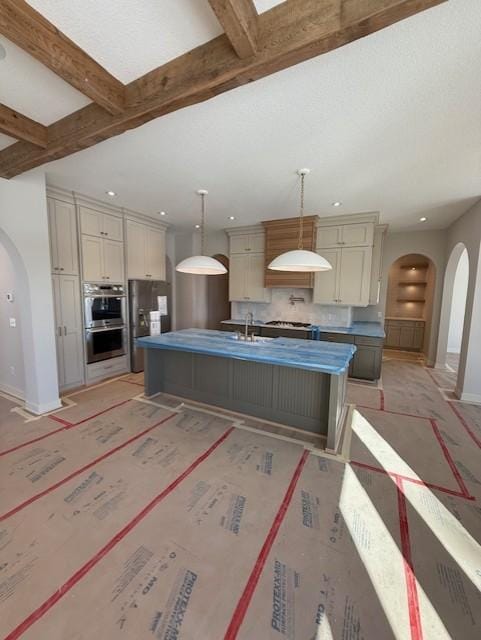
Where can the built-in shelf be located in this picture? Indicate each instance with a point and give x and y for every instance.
(407, 283)
(421, 265)
(411, 300)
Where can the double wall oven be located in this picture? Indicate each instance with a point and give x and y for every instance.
(105, 318)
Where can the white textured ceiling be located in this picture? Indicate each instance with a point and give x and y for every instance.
(131, 37)
(29, 87)
(391, 123)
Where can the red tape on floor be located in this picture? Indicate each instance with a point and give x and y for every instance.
(105, 455)
(412, 592)
(246, 597)
(88, 566)
(66, 425)
(449, 459)
(462, 420)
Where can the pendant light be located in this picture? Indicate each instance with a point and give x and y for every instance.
(300, 259)
(201, 265)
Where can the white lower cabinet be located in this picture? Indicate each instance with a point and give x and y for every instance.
(103, 260)
(68, 319)
(98, 371)
(348, 283)
(246, 278)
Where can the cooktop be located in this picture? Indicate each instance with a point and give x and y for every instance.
(284, 323)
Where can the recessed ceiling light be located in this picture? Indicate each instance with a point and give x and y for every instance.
(231, 217)
(336, 204)
(162, 213)
(3, 53)
(423, 219)
(112, 194)
(197, 226)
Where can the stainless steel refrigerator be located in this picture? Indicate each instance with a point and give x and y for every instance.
(142, 300)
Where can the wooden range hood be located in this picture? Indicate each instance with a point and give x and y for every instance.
(283, 235)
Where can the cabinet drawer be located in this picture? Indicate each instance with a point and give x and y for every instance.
(367, 341)
(336, 337)
(99, 370)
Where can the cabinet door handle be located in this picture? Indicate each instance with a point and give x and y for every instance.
(107, 277)
(59, 332)
(64, 330)
(62, 269)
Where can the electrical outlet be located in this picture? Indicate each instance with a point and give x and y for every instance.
(13, 322)
(12, 370)
(10, 297)
(379, 315)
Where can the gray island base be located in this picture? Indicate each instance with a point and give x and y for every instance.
(288, 381)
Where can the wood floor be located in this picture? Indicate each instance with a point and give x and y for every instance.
(127, 518)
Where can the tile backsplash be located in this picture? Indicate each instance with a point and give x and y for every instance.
(281, 309)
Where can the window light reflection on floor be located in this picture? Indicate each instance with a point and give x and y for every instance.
(385, 567)
(451, 534)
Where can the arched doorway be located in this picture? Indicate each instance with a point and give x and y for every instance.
(218, 305)
(409, 304)
(453, 309)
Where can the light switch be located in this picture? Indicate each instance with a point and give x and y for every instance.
(10, 297)
(13, 322)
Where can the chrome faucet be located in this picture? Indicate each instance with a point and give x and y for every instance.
(248, 315)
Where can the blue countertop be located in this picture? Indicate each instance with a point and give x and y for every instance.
(323, 357)
(366, 329)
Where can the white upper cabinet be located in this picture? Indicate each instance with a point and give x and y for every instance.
(326, 283)
(155, 253)
(101, 225)
(136, 267)
(247, 243)
(112, 227)
(246, 278)
(113, 261)
(63, 237)
(358, 234)
(376, 268)
(238, 265)
(355, 276)
(103, 260)
(348, 283)
(92, 259)
(145, 251)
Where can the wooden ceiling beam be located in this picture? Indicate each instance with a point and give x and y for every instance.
(18, 126)
(29, 30)
(239, 21)
(290, 33)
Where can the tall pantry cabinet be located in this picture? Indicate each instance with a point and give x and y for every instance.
(66, 292)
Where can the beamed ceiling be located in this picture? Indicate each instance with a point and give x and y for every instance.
(237, 94)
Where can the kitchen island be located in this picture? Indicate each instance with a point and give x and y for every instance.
(294, 382)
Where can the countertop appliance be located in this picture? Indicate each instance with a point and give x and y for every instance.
(143, 298)
(104, 317)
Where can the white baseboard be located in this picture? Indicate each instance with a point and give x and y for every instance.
(12, 391)
(472, 398)
(39, 409)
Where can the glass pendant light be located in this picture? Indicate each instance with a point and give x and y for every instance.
(300, 259)
(201, 265)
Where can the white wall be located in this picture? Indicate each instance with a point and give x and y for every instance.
(467, 230)
(429, 243)
(24, 234)
(11, 353)
(460, 292)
